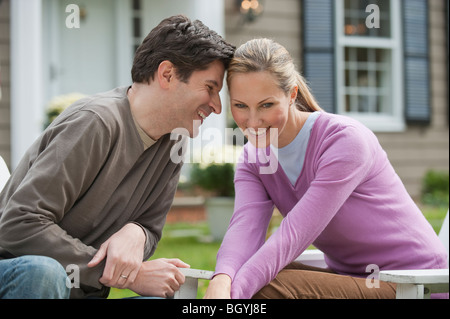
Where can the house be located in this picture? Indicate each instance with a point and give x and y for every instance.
(383, 62)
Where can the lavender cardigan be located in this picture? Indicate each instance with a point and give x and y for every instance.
(348, 201)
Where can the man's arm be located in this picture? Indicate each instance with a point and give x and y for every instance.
(123, 253)
(68, 159)
(154, 217)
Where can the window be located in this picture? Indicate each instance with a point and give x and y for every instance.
(136, 23)
(368, 63)
(356, 14)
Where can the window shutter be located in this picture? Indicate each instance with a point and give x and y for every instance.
(416, 59)
(318, 50)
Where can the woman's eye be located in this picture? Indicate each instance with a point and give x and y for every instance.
(239, 105)
(267, 105)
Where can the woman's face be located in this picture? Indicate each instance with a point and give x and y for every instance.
(262, 110)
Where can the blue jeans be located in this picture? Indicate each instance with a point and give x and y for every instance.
(32, 277)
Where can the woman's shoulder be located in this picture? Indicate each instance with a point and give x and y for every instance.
(329, 124)
(343, 135)
(337, 121)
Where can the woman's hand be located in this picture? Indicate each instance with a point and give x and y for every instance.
(219, 288)
(124, 252)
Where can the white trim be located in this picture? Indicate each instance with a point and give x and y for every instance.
(124, 42)
(367, 41)
(212, 14)
(376, 122)
(51, 58)
(26, 76)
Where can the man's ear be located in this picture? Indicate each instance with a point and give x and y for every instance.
(166, 73)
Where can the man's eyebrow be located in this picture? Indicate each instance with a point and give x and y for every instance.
(214, 82)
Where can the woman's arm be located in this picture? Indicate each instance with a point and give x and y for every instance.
(248, 226)
(344, 161)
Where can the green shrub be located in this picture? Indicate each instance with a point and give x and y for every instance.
(217, 178)
(213, 169)
(435, 188)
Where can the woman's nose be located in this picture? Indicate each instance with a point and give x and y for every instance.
(254, 121)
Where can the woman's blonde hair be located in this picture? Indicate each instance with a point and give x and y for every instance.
(265, 55)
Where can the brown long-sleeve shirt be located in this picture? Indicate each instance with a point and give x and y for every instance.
(84, 178)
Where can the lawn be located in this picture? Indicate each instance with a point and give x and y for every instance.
(192, 244)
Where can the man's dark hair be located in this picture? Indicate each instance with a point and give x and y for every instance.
(190, 46)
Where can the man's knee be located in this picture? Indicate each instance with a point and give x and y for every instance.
(38, 277)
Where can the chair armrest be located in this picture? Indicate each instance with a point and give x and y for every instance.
(189, 289)
(418, 277)
(417, 284)
(312, 257)
(197, 273)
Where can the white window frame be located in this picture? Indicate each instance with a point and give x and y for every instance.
(376, 122)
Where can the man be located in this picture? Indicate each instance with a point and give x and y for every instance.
(92, 193)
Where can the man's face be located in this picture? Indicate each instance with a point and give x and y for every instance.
(199, 97)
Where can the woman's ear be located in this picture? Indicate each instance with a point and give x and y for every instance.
(294, 93)
(166, 73)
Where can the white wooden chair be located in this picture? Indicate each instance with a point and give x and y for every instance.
(419, 284)
(4, 173)
(411, 284)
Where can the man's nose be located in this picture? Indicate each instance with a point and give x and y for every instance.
(216, 104)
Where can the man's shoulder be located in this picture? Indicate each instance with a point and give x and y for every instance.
(111, 108)
(109, 105)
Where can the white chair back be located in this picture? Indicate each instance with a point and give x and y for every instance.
(4, 173)
(443, 234)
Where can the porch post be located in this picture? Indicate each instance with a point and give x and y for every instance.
(26, 76)
(212, 14)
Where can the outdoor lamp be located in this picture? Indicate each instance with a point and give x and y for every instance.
(250, 9)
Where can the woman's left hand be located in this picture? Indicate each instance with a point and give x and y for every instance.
(219, 288)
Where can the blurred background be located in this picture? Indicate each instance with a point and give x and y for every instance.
(394, 77)
(383, 62)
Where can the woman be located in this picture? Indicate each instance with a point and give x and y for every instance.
(333, 185)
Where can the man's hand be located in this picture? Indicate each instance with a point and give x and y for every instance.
(124, 252)
(159, 278)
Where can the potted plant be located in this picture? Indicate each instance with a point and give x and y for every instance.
(58, 104)
(214, 174)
